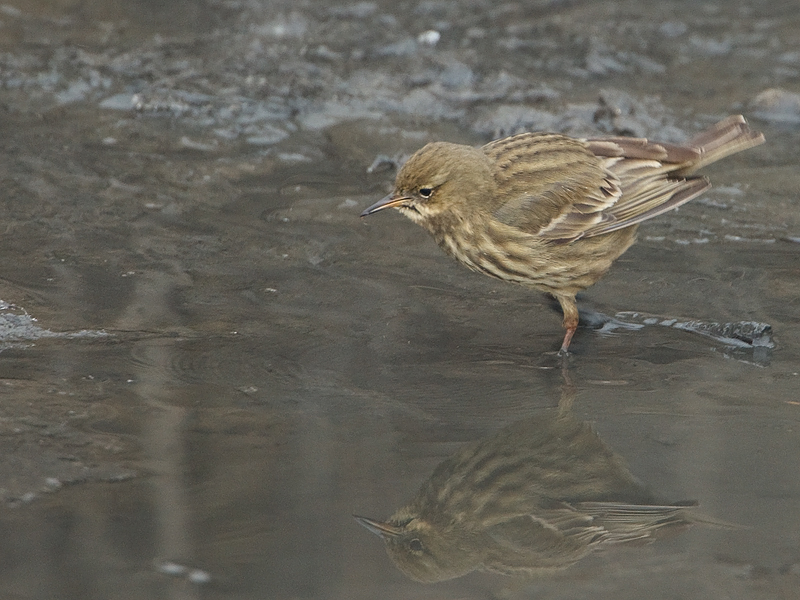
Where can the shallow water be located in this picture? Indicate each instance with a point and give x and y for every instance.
(208, 362)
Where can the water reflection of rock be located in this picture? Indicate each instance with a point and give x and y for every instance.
(537, 495)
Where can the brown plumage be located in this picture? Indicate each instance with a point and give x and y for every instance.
(549, 211)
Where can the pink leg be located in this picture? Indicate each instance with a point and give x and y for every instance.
(570, 322)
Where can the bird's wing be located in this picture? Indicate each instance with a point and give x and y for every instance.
(551, 185)
(564, 533)
(563, 189)
(625, 522)
(656, 177)
(645, 172)
(553, 537)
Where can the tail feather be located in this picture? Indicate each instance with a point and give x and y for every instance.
(729, 136)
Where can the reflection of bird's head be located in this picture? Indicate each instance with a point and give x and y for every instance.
(422, 552)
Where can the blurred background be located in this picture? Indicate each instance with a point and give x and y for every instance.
(208, 362)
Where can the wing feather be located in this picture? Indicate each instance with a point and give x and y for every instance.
(551, 185)
(563, 189)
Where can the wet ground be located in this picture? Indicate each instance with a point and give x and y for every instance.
(209, 362)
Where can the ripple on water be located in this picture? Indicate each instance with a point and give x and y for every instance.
(240, 362)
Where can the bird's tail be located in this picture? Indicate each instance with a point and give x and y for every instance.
(729, 136)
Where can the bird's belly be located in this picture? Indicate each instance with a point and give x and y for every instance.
(531, 261)
(503, 259)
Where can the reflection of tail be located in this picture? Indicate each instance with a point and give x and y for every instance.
(727, 137)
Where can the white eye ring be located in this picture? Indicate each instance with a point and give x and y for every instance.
(426, 192)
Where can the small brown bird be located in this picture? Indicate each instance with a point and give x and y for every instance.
(535, 497)
(552, 212)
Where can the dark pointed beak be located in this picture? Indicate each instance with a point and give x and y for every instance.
(390, 201)
(384, 530)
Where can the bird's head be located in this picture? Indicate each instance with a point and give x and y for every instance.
(423, 551)
(438, 178)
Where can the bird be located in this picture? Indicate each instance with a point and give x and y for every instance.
(530, 499)
(549, 211)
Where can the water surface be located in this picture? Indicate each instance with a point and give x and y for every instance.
(209, 362)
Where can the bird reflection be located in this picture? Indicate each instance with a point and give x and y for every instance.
(537, 495)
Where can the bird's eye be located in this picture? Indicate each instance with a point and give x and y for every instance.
(425, 192)
(415, 545)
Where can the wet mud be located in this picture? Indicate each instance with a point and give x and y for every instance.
(208, 362)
